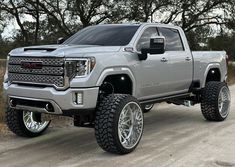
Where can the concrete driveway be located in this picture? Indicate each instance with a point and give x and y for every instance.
(173, 136)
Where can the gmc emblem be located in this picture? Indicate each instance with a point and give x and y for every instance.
(31, 65)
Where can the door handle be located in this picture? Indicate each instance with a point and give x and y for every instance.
(164, 59)
(188, 59)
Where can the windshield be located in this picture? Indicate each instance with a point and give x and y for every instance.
(111, 35)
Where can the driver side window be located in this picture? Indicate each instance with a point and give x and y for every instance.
(144, 41)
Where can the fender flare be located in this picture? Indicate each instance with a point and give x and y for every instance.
(208, 68)
(116, 71)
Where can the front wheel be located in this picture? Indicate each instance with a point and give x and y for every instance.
(118, 123)
(216, 101)
(25, 123)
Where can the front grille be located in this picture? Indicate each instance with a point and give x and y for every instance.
(42, 79)
(44, 70)
(50, 73)
(45, 61)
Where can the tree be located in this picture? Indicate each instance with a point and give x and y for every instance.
(223, 42)
(90, 12)
(58, 12)
(44, 21)
(199, 13)
(53, 13)
(140, 10)
(15, 8)
(198, 37)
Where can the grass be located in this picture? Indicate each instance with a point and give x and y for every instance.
(231, 80)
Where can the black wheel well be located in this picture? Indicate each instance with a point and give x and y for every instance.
(118, 83)
(213, 75)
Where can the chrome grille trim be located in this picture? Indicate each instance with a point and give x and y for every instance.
(52, 73)
(45, 70)
(40, 79)
(45, 61)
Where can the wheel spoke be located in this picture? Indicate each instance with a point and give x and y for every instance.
(31, 124)
(130, 125)
(224, 101)
(27, 119)
(26, 115)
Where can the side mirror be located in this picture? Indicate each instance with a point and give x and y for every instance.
(60, 40)
(157, 46)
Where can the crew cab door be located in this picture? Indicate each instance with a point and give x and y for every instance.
(180, 62)
(152, 74)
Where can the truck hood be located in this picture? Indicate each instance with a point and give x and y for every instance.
(62, 50)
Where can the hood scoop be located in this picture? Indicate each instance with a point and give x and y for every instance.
(40, 49)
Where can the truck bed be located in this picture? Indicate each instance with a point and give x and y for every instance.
(204, 59)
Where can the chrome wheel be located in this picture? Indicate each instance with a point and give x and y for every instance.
(224, 101)
(130, 125)
(33, 123)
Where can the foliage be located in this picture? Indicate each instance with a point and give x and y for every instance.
(42, 22)
(223, 42)
(198, 37)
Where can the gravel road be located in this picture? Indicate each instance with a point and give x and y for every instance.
(174, 136)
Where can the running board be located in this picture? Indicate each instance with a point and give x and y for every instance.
(162, 99)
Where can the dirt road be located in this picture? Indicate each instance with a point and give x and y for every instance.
(173, 136)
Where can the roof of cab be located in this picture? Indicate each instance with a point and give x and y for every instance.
(139, 24)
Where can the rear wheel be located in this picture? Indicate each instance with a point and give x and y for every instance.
(118, 123)
(216, 101)
(25, 123)
(148, 107)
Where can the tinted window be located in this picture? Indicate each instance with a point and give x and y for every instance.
(144, 41)
(104, 35)
(173, 39)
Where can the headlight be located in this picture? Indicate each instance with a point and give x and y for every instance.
(80, 67)
(6, 73)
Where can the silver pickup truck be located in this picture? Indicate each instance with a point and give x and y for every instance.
(107, 76)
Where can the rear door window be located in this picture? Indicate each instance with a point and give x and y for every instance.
(173, 39)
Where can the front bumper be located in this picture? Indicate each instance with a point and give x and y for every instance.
(61, 101)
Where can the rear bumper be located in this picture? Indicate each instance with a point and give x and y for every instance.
(61, 101)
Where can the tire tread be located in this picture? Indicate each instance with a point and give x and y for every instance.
(209, 104)
(104, 122)
(14, 121)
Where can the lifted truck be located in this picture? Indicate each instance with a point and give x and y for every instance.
(106, 76)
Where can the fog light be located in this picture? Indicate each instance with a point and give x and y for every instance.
(12, 103)
(49, 107)
(78, 98)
